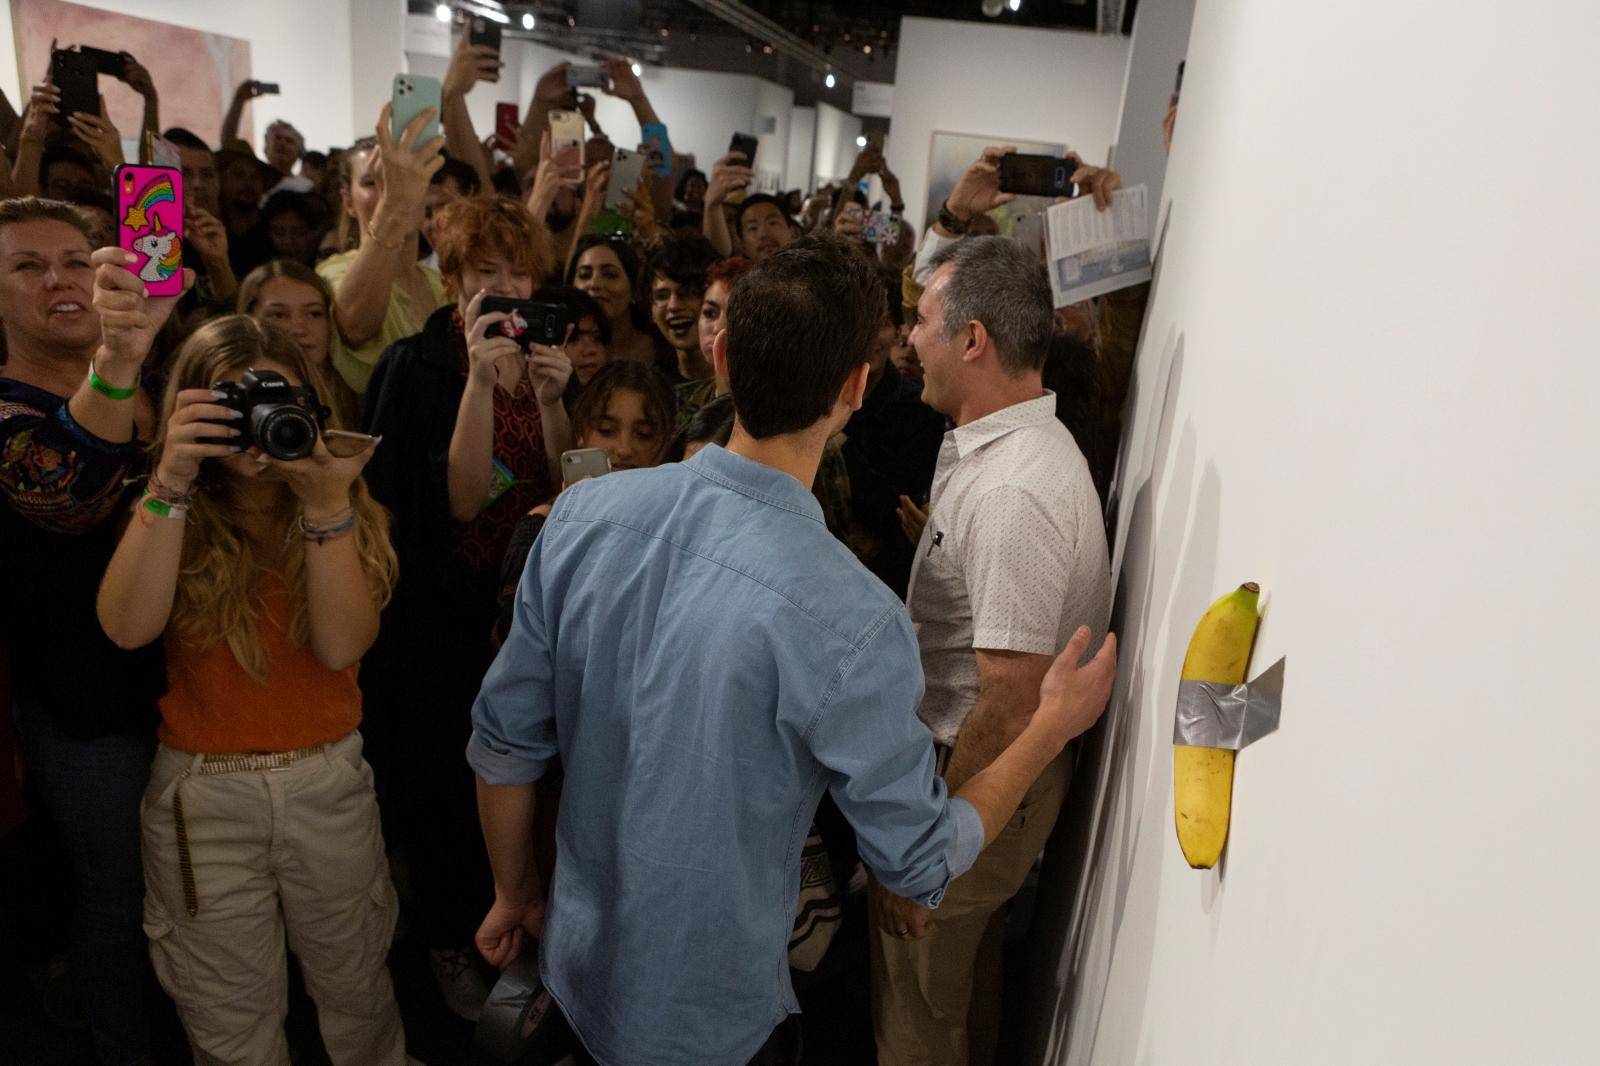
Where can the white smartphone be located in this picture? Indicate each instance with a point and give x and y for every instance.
(582, 464)
(566, 143)
(626, 167)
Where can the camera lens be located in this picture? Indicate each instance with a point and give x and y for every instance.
(284, 431)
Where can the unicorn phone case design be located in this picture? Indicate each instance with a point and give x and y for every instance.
(150, 225)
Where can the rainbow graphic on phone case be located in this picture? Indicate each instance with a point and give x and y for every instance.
(150, 224)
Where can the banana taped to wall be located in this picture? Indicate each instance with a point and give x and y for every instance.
(1217, 716)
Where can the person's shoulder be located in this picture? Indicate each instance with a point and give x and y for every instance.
(21, 402)
(333, 269)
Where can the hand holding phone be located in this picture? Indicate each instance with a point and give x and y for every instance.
(528, 322)
(150, 225)
(412, 95)
(626, 168)
(587, 76)
(77, 77)
(1038, 175)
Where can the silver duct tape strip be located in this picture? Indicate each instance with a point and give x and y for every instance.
(514, 1009)
(1229, 716)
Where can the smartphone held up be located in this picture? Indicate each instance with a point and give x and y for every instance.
(150, 225)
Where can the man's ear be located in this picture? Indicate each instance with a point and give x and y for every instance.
(854, 392)
(978, 343)
(719, 355)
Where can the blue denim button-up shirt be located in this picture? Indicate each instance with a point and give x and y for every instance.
(706, 659)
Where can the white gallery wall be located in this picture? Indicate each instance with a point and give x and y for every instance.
(1160, 39)
(1375, 397)
(979, 78)
(836, 144)
(802, 148)
(305, 45)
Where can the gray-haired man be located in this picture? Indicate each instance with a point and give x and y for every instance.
(1012, 560)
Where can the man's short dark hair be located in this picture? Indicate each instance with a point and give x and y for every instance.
(184, 139)
(757, 200)
(684, 260)
(996, 281)
(466, 179)
(798, 324)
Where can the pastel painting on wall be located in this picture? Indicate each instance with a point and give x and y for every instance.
(950, 154)
(194, 73)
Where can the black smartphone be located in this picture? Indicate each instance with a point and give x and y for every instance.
(106, 62)
(76, 75)
(530, 322)
(1178, 87)
(481, 30)
(745, 143)
(1037, 175)
(267, 88)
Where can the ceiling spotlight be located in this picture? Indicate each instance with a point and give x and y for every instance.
(749, 46)
(866, 49)
(830, 81)
(665, 32)
(846, 37)
(861, 142)
(527, 20)
(442, 12)
(637, 70)
(1015, 5)
(766, 49)
(992, 8)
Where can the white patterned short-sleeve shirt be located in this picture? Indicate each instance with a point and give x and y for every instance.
(1014, 555)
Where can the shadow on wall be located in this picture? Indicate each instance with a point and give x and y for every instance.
(1096, 910)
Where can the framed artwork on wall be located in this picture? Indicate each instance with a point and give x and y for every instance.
(194, 72)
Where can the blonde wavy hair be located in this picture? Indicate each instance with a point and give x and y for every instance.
(218, 577)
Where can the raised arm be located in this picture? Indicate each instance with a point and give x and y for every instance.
(402, 171)
(550, 93)
(469, 64)
(43, 105)
(136, 77)
(471, 458)
(728, 174)
(247, 91)
(341, 603)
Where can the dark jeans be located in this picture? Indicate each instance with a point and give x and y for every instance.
(92, 789)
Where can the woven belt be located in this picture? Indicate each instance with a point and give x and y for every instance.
(266, 760)
(223, 764)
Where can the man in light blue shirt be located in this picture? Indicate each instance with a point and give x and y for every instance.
(706, 659)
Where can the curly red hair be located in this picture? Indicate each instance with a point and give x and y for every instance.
(490, 225)
(729, 270)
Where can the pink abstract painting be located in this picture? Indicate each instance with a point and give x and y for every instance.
(194, 72)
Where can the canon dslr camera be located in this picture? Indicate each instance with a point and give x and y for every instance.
(281, 419)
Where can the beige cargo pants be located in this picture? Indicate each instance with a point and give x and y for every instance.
(293, 851)
(936, 1001)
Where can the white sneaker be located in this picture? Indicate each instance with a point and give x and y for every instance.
(460, 981)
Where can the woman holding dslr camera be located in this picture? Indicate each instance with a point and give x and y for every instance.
(264, 576)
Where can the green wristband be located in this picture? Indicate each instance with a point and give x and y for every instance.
(105, 388)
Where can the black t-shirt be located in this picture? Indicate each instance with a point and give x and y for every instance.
(63, 493)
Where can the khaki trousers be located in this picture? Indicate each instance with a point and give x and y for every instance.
(293, 852)
(936, 1001)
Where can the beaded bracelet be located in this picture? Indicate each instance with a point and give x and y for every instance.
(324, 530)
(171, 497)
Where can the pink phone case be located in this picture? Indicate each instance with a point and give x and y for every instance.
(150, 225)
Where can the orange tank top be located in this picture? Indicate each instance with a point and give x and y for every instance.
(213, 707)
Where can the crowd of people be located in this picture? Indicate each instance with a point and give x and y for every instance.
(243, 684)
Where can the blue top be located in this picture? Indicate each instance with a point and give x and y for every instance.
(706, 659)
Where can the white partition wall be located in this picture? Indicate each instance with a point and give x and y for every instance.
(836, 143)
(1376, 398)
(802, 148)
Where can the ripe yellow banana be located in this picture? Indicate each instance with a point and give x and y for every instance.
(1202, 778)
